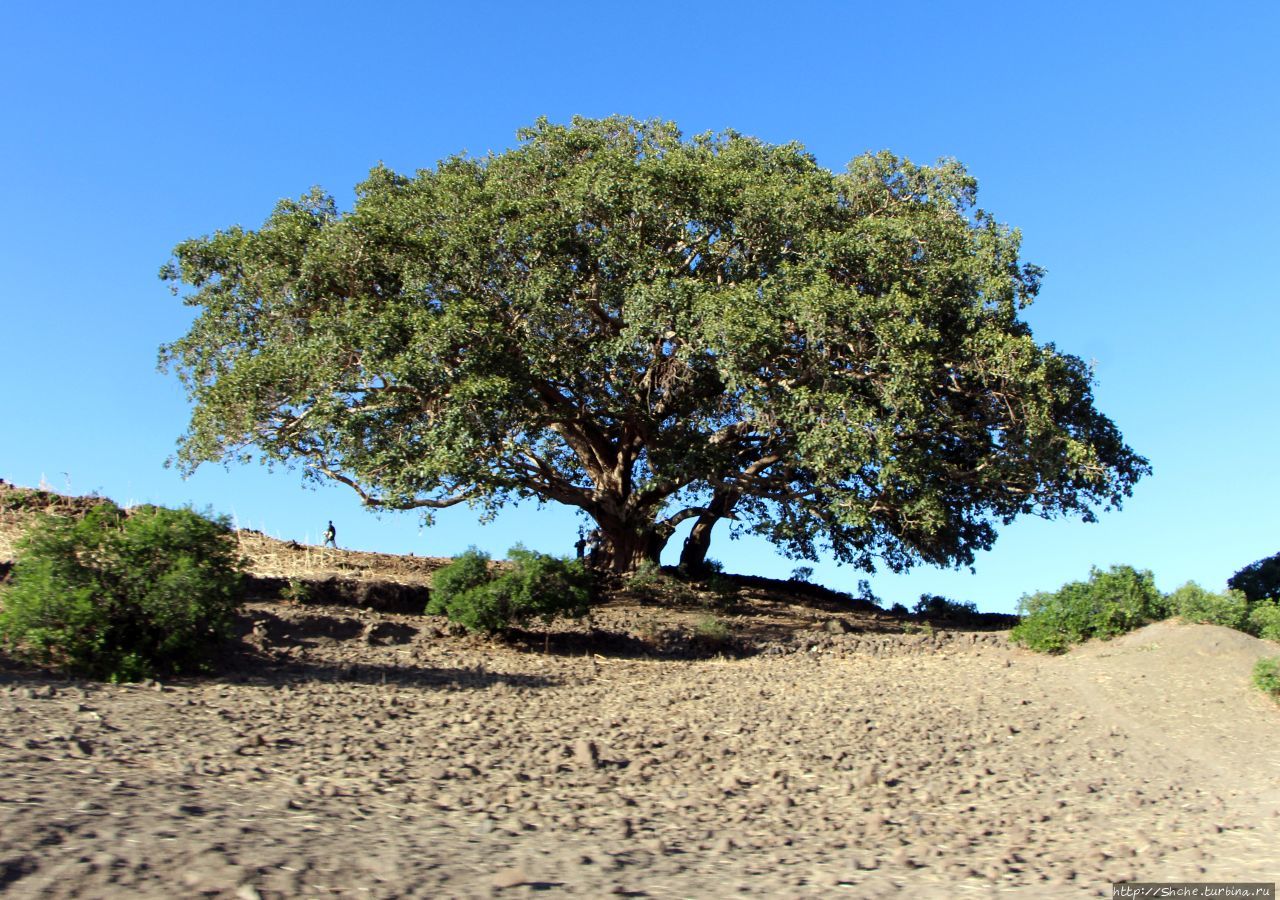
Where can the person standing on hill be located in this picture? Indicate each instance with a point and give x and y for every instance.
(331, 536)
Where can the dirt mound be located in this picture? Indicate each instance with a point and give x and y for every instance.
(1186, 689)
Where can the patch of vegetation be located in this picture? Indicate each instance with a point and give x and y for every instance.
(1266, 677)
(722, 588)
(865, 593)
(713, 632)
(466, 572)
(296, 591)
(899, 610)
(123, 596)
(1110, 603)
(1259, 580)
(935, 607)
(534, 585)
(1264, 620)
(1195, 604)
(18, 499)
(802, 574)
(646, 575)
(650, 583)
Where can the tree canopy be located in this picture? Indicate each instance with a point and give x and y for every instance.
(653, 329)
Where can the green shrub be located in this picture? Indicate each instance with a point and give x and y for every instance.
(465, 573)
(535, 585)
(646, 575)
(802, 574)
(1264, 620)
(1266, 677)
(1195, 604)
(935, 606)
(712, 632)
(1108, 604)
(1259, 580)
(723, 588)
(865, 593)
(122, 597)
(296, 591)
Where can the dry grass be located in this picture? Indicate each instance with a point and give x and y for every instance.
(266, 556)
(270, 557)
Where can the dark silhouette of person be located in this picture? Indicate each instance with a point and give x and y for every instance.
(580, 544)
(331, 536)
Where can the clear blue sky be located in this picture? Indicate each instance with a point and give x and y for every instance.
(1132, 143)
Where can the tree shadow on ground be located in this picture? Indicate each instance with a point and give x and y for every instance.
(374, 674)
(668, 643)
(247, 666)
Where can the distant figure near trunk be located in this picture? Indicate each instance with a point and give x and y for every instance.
(331, 536)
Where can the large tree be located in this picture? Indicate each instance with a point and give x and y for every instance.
(653, 329)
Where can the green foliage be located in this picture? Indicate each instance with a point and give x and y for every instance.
(1259, 580)
(451, 582)
(534, 585)
(1108, 604)
(1266, 677)
(713, 632)
(19, 499)
(1195, 604)
(802, 574)
(122, 597)
(649, 582)
(865, 593)
(1264, 620)
(899, 610)
(651, 328)
(646, 577)
(724, 588)
(937, 607)
(296, 591)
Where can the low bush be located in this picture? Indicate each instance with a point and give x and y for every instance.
(802, 574)
(296, 591)
(1264, 620)
(1108, 604)
(939, 608)
(122, 596)
(724, 590)
(712, 633)
(1266, 677)
(449, 583)
(1194, 604)
(1259, 580)
(535, 585)
(866, 594)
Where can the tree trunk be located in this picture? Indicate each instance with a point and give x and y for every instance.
(622, 550)
(693, 556)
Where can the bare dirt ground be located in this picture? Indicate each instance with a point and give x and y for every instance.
(356, 752)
